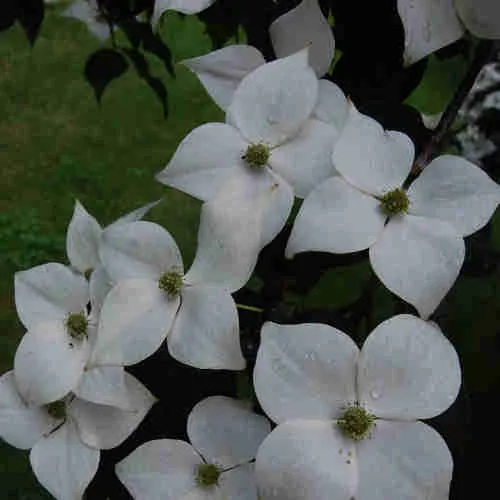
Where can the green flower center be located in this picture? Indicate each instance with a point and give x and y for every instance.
(257, 155)
(77, 324)
(57, 409)
(171, 283)
(356, 422)
(394, 202)
(87, 273)
(207, 475)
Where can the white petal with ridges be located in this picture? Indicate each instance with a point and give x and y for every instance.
(221, 71)
(274, 101)
(63, 464)
(481, 17)
(104, 427)
(104, 385)
(49, 292)
(139, 250)
(206, 158)
(135, 320)
(371, 158)
(163, 468)
(206, 330)
(403, 461)
(49, 363)
(304, 371)
(304, 26)
(306, 160)
(337, 218)
(20, 425)
(429, 25)
(247, 213)
(225, 431)
(332, 107)
(457, 191)
(307, 460)
(82, 239)
(418, 259)
(407, 370)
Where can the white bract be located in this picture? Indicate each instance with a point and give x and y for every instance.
(183, 6)
(348, 419)
(82, 248)
(66, 436)
(224, 436)
(154, 300)
(221, 71)
(415, 236)
(270, 148)
(432, 24)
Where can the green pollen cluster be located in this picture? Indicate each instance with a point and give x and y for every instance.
(356, 422)
(171, 283)
(207, 475)
(394, 202)
(57, 409)
(77, 325)
(257, 155)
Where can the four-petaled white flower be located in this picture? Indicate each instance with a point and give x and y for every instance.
(269, 149)
(66, 436)
(154, 300)
(217, 465)
(415, 237)
(348, 419)
(432, 24)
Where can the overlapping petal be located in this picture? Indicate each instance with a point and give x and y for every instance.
(221, 71)
(206, 330)
(307, 460)
(336, 217)
(135, 320)
(306, 161)
(371, 158)
(455, 190)
(238, 483)
(139, 250)
(418, 259)
(20, 425)
(407, 370)
(49, 292)
(82, 239)
(272, 103)
(403, 461)
(304, 371)
(207, 157)
(163, 468)
(103, 426)
(481, 17)
(63, 464)
(49, 362)
(429, 25)
(100, 285)
(304, 26)
(332, 107)
(225, 431)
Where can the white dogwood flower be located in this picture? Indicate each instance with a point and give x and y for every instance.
(415, 236)
(221, 71)
(217, 465)
(269, 149)
(66, 436)
(432, 24)
(348, 419)
(154, 300)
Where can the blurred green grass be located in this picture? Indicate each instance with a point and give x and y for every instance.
(56, 145)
